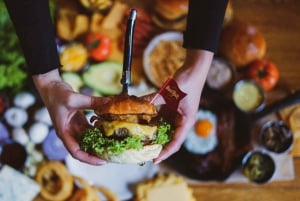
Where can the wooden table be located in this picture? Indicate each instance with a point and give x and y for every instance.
(275, 191)
(279, 21)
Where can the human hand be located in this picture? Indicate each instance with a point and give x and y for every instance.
(65, 108)
(190, 79)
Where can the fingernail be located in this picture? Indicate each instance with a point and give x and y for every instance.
(157, 162)
(101, 163)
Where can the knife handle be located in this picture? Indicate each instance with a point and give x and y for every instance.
(126, 77)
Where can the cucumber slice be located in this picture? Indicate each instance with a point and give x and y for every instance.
(104, 77)
(73, 79)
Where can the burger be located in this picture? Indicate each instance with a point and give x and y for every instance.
(170, 15)
(127, 129)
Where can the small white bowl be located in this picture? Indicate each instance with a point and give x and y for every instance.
(166, 36)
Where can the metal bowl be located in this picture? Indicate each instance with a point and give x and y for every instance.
(276, 136)
(248, 96)
(258, 166)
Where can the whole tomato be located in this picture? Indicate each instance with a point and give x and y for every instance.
(99, 46)
(264, 72)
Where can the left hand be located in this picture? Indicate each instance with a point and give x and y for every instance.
(66, 111)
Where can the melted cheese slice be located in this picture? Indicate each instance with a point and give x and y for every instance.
(133, 128)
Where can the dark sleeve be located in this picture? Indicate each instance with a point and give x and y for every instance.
(204, 23)
(32, 21)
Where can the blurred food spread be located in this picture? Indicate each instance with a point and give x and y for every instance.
(90, 40)
(165, 58)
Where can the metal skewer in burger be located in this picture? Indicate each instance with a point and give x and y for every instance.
(127, 129)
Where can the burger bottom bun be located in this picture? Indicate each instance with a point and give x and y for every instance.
(148, 153)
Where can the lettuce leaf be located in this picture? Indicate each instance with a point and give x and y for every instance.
(12, 62)
(163, 133)
(94, 141)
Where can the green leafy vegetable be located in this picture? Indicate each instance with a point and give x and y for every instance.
(163, 133)
(93, 141)
(12, 62)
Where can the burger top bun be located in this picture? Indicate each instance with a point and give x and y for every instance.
(241, 43)
(170, 15)
(171, 9)
(127, 104)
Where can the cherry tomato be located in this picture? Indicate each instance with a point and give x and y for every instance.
(264, 72)
(99, 46)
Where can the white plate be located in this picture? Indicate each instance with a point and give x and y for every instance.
(119, 178)
(166, 36)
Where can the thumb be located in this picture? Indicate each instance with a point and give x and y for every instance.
(154, 98)
(81, 101)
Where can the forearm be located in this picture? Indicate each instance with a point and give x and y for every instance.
(204, 23)
(195, 69)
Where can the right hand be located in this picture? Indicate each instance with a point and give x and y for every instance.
(190, 79)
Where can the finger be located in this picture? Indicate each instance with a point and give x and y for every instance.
(180, 134)
(73, 147)
(154, 98)
(78, 128)
(81, 101)
(87, 158)
(170, 149)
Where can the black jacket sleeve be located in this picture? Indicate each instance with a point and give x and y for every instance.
(204, 23)
(32, 21)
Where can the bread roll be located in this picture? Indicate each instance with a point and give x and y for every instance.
(241, 43)
(170, 15)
